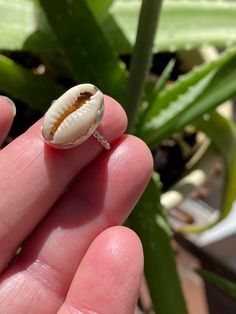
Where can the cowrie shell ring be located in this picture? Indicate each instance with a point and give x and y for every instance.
(74, 117)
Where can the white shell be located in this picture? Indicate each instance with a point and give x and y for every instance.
(78, 125)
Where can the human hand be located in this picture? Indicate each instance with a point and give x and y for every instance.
(67, 205)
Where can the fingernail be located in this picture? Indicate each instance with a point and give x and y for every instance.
(13, 106)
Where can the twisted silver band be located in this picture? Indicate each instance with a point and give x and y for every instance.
(101, 139)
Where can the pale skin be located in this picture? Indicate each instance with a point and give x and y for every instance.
(65, 208)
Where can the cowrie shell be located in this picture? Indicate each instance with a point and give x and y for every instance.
(73, 117)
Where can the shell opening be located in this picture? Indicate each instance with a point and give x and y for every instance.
(80, 101)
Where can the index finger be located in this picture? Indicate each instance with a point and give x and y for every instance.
(33, 176)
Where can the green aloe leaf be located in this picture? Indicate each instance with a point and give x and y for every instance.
(222, 132)
(149, 221)
(202, 91)
(156, 89)
(210, 22)
(152, 91)
(91, 57)
(19, 83)
(16, 23)
(183, 24)
(224, 285)
(114, 34)
(161, 82)
(23, 26)
(184, 83)
(99, 7)
(20, 30)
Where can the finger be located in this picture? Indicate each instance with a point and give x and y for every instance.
(34, 175)
(103, 195)
(7, 113)
(108, 279)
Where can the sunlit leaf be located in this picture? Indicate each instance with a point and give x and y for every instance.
(200, 95)
(184, 83)
(19, 28)
(183, 24)
(156, 89)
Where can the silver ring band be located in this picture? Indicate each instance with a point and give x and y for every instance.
(101, 139)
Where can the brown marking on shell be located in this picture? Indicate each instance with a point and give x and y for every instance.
(81, 100)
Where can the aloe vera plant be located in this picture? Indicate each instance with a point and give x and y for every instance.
(94, 34)
(212, 22)
(209, 23)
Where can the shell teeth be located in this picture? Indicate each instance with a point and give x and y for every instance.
(63, 125)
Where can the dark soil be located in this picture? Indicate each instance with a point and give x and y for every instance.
(170, 159)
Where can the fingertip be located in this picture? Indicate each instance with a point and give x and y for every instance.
(121, 245)
(115, 110)
(141, 147)
(143, 153)
(8, 111)
(8, 104)
(116, 249)
(113, 265)
(130, 155)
